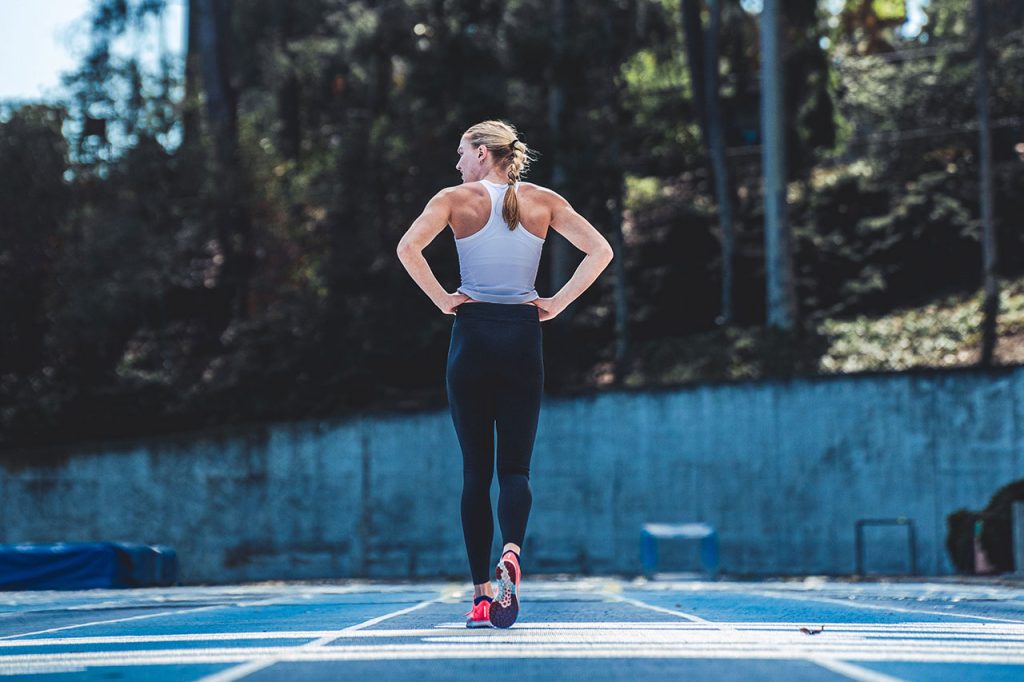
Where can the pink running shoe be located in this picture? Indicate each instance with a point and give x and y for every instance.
(479, 616)
(505, 608)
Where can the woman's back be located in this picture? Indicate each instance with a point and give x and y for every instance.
(481, 212)
(471, 207)
(498, 264)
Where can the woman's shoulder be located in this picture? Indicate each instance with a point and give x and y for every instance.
(526, 189)
(463, 191)
(532, 186)
(536, 191)
(544, 196)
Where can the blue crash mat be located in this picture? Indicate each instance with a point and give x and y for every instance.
(84, 565)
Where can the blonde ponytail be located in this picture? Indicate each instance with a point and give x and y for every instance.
(510, 153)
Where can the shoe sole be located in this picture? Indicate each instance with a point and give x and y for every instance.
(505, 607)
(478, 624)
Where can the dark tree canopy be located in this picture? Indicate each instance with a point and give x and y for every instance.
(212, 243)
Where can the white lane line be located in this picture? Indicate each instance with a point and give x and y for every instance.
(226, 592)
(845, 647)
(261, 602)
(848, 670)
(982, 628)
(482, 647)
(953, 633)
(903, 625)
(878, 607)
(145, 639)
(709, 637)
(39, 670)
(726, 628)
(249, 667)
(326, 639)
(105, 622)
(722, 626)
(636, 602)
(854, 672)
(239, 671)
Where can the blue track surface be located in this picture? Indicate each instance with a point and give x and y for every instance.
(592, 629)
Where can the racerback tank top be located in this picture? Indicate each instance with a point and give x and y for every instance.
(496, 264)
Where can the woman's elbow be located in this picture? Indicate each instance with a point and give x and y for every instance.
(404, 249)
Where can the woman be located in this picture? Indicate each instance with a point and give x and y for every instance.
(495, 371)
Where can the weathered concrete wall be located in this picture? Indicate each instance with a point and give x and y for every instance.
(781, 469)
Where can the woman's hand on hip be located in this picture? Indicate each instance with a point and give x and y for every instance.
(452, 301)
(549, 307)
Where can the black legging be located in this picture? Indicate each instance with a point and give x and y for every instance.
(495, 376)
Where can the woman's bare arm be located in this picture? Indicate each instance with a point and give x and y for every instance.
(432, 220)
(585, 237)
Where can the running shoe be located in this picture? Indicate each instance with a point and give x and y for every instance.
(479, 615)
(505, 608)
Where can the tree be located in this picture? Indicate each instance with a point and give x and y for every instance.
(702, 59)
(216, 49)
(559, 76)
(988, 240)
(779, 290)
(190, 115)
(34, 202)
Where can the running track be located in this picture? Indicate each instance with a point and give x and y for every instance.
(569, 629)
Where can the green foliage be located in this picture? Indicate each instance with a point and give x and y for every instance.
(658, 95)
(118, 248)
(34, 202)
(890, 9)
(942, 333)
(641, 192)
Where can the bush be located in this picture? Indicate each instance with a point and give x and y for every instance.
(960, 539)
(996, 531)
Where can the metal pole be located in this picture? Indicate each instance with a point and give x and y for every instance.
(1017, 521)
(859, 542)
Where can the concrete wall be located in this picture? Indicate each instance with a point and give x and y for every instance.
(781, 469)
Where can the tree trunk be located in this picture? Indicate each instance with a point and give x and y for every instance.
(190, 111)
(233, 229)
(615, 196)
(778, 262)
(716, 149)
(702, 63)
(289, 94)
(559, 262)
(221, 101)
(988, 240)
(693, 34)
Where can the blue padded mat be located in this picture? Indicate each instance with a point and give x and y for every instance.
(84, 565)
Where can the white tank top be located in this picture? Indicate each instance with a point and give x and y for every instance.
(499, 265)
